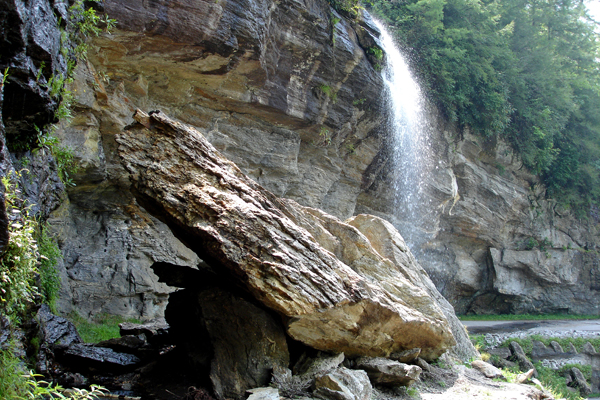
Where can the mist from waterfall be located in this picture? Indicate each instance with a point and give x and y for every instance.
(410, 148)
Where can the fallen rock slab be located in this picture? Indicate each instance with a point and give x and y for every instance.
(487, 369)
(251, 236)
(101, 358)
(343, 384)
(385, 372)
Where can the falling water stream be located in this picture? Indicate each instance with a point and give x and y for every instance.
(410, 155)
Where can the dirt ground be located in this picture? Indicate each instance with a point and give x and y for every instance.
(460, 383)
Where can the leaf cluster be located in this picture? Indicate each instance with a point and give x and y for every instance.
(526, 71)
(30, 251)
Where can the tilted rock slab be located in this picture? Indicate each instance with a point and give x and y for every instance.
(236, 225)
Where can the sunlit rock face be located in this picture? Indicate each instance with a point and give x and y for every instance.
(277, 87)
(348, 299)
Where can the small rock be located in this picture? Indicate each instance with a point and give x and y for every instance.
(55, 329)
(539, 351)
(263, 393)
(502, 363)
(126, 344)
(344, 384)
(572, 348)
(383, 371)
(522, 378)
(487, 369)
(98, 357)
(588, 348)
(556, 347)
(322, 364)
(150, 329)
(424, 365)
(580, 382)
(406, 356)
(519, 356)
(502, 352)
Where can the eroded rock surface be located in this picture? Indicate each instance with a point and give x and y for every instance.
(251, 235)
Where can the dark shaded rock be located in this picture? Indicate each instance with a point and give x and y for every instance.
(188, 330)
(501, 352)
(40, 183)
(55, 329)
(30, 45)
(87, 356)
(73, 379)
(580, 382)
(502, 363)
(125, 344)
(407, 356)
(519, 356)
(539, 351)
(247, 342)
(385, 372)
(343, 384)
(487, 369)
(184, 277)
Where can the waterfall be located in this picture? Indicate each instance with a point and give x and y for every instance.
(410, 152)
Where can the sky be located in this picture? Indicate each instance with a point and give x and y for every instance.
(594, 7)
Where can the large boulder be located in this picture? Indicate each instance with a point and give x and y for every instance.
(363, 307)
(388, 242)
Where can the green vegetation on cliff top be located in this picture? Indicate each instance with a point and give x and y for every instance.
(527, 71)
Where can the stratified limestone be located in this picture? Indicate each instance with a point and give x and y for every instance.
(251, 236)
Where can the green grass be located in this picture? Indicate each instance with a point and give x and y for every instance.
(102, 327)
(525, 317)
(552, 380)
(527, 343)
(555, 383)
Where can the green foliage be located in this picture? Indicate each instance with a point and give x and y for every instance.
(85, 22)
(17, 383)
(102, 327)
(329, 92)
(4, 76)
(325, 135)
(523, 70)
(50, 254)
(376, 51)
(555, 382)
(349, 7)
(64, 156)
(19, 260)
(531, 243)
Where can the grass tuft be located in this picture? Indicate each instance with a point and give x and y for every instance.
(101, 327)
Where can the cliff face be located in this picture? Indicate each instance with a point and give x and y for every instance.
(286, 90)
(490, 241)
(280, 88)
